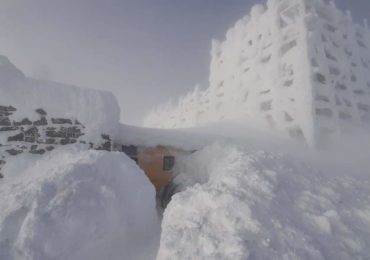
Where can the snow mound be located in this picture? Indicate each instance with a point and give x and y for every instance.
(74, 204)
(258, 205)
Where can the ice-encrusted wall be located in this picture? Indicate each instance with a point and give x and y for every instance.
(339, 53)
(97, 110)
(37, 116)
(300, 66)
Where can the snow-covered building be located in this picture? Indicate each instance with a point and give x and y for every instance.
(97, 110)
(300, 66)
(37, 116)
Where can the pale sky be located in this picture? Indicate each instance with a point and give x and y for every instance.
(144, 51)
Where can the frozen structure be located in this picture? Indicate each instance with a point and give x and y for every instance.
(300, 66)
(37, 116)
(97, 110)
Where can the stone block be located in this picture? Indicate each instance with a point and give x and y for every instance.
(39, 151)
(23, 147)
(30, 139)
(40, 122)
(25, 121)
(64, 141)
(9, 128)
(50, 141)
(64, 132)
(8, 108)
(5, 113)
(16, 138)
(32, 131)
(14, 152)
(50, 148)
(61, 121)
(31, 135)
(73, 132)
(51, 132)
(35, 150)
(41, 111)
(105, 146)
(4, 121)
(105, 137)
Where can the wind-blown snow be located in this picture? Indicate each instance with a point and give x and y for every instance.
(74, 204)
(97, 110)
(243, 204)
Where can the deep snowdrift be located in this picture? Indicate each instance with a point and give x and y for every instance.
(74, 204)
(259, 205)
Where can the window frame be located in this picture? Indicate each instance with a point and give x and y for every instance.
(168, 160)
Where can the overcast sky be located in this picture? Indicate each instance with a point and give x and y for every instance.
(144, 51)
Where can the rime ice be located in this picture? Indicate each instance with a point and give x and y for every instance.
(299, 66)
(97, 110)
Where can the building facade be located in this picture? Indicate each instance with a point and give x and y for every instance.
(301, 67)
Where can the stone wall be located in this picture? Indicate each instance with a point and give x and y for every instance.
(40, 134)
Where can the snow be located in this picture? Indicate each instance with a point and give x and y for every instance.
(240, 203)
(261, 199)
(252, 194)
(317, 63)
(185, 139)
(97, 110)
(76, 204)
(8, 71)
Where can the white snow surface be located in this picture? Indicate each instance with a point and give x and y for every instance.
(251, 204)
(75, 204)
(97, 110)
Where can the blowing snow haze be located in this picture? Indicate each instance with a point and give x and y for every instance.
(143, 51)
